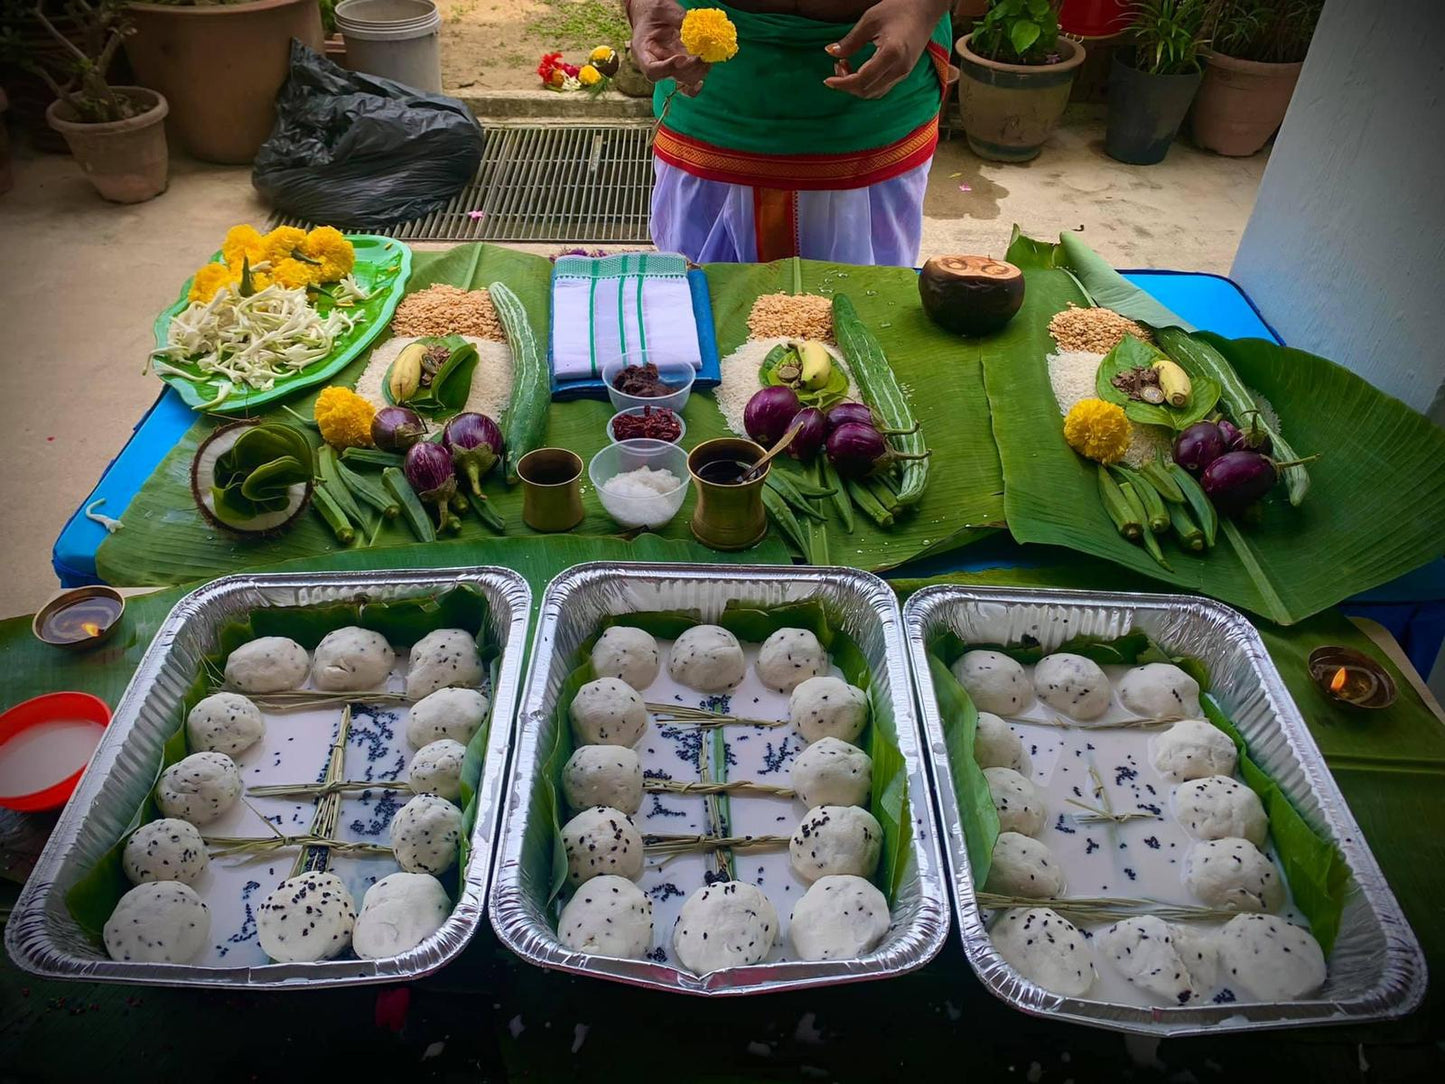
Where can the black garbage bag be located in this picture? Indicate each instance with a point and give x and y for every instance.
(355, 150)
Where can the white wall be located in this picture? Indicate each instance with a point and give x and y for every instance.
(1345, 251)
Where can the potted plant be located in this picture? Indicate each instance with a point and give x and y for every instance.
(1015, 76)
(1258, 50)
(116, 133)
(1155, 76)
(220, 64)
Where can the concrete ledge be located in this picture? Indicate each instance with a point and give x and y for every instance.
(551, 105)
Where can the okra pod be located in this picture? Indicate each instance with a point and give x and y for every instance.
(1119, 509)
(883, 494)
(1190, 536)
(818, 543)
(786, 522)
(805, 486)
(1159, 477)
(332, 483)
(841, 503)
(411, 507)
(1198, 501)
(486, 513)
(1136, 507)
(868, 504)
(1154, 512)
(371, 457)
(368, 491)
(333, 515)
(784, 488)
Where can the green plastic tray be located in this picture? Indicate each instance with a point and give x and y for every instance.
(382, 266)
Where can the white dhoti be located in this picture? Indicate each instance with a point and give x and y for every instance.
(716, 222)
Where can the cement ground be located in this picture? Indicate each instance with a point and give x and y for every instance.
(82, 280)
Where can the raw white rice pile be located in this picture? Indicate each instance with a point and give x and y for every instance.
(1071, 375)
(491, 380)
(740, 378)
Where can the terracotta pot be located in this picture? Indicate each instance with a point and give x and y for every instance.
(1241, 104)
(221, 66)
(126, 160)
(1145, 112)
(1009, 110)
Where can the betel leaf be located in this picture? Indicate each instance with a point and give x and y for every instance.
(451, 384)
(1131, 353)
(1316, 871)
(256, 473)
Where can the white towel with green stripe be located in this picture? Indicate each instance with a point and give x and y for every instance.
(620, 305)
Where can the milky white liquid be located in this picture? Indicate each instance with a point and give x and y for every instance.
(44, 755)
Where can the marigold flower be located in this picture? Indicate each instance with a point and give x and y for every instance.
(1097, 430)
(708, 34)
(282, 243)
(243, 241)
(327, 246)
(344, 418)
(294, 274)
(588, 76)
(209, 279)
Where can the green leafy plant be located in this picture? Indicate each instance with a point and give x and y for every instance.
(1268, 31)
(1169, 37)
(1019, 32)
(74, 63)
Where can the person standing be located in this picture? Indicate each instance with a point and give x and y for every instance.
(814, 140)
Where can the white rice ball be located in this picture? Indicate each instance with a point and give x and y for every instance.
(627, 653)
(1072, 685)
(707, 658)
(425, 835)
(996, 745)
(1022, 866)
(447, 713)
(442, 659)
(268, 664)
(1217, 807)
(1151, 955)
(607, 916)
(305, 918)
(832, 772)
(994, 682)
(1159, 690)
(1192, 749)
(1019, 804)
(352, 659)
(437, 769)
(789, 657)
(159, 922)
(165, 850)
(608, 711)
(836, 839)
(828, 707)
(1046, 949)
(602, 840)
(1270, 958)
(224, 723)
(1233, 875)
(609, 775)
(730, 924)
(398, 913)
(838, 918)
(199, 788)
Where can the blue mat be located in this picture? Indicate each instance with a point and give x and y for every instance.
(1412, 607)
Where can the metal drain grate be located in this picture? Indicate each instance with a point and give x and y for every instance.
(559, 183)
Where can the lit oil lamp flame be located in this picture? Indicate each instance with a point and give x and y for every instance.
(90, 628)
(1337, 683)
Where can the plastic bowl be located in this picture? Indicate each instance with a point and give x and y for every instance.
(679, 374)
(52, 761)
(636, 411)
(630, 455)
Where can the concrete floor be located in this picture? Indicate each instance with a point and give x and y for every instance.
(81, 282)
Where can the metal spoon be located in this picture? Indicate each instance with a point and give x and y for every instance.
(781, 446)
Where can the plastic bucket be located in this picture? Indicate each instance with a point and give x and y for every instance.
(395, 39)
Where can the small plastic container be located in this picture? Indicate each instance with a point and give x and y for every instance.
(631, 455)
(637, 412)
(678, 374)
(45, 744)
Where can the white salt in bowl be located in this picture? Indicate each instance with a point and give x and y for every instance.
(679, 375)
(631, 455)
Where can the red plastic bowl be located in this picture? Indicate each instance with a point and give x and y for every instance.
(36, 712)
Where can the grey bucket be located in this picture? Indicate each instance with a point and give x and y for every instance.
(395, 39)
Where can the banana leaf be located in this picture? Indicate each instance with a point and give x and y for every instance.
(1133, 354)
(166, 541)
(1376, 510)
(1103, 285)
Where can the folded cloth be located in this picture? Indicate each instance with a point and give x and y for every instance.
(604, 308)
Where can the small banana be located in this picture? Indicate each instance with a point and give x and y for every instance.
(817, 365)
(405, 376)
(1174, 382)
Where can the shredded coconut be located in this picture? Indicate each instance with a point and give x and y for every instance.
(643, 497)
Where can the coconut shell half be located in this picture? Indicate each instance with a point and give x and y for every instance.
(970, 295)
(203, 479)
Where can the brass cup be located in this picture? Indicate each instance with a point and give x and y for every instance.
(728, 517)
(551, 489)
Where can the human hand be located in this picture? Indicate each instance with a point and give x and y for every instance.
(900, 30)
(657, 45)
